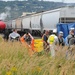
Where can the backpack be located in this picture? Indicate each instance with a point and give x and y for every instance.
(71, 40)
(51, 39)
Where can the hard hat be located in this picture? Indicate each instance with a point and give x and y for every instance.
(54, 30)
(71, 28)
(61, 33)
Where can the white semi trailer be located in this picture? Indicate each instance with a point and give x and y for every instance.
(35, 22)
(67, 14)
(47, 20)
(26, 23)
(50, 19)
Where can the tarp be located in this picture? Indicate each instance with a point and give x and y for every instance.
(65, 27)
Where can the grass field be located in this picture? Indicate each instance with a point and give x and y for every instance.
(15, 60)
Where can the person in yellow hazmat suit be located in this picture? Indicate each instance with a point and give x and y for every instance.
(53, 40)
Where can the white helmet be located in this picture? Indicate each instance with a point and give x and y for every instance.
(54, 30)
(71, 28)
(61, 33)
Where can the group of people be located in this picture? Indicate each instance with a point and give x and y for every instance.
(50, 42)
(14, 36)
(11, 36)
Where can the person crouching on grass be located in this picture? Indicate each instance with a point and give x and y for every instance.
(14, 36)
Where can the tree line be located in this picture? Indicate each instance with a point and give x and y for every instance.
(18, 7)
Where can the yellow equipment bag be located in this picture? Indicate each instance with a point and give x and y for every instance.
(38, 45)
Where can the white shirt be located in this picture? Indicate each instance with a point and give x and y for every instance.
(14, 35)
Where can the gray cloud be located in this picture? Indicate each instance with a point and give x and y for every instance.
(5, 14)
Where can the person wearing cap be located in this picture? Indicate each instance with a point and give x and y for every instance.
(61, 39)
(53, 40)
(14, 35)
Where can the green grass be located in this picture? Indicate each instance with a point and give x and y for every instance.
(15, 60)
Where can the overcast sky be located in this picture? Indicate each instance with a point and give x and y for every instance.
(66, 1)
